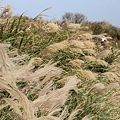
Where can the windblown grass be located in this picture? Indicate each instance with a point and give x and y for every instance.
(82, 81)
(48, 101)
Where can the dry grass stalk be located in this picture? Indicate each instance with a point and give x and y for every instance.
(40, 14)
(64, 114)
(86, 74)
(50, 50)
(73, 26)
(86, 118)
(86, 36)
(91, 52)
(52, 27)
(19, 58)
(49, 100)
(111, 76)
(104, 54)
(115, 68)
(113, 85)
(89, 58)
(99, 87)
(23, 102)
(116, 98)
(56, 98)
(101, 62)
(76, 62)
(76, 50)
(6, 12)
(73, 114)
(48, 69)
(77, 44)
(89, 44)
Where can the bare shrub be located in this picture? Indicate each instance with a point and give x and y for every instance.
(74, 17)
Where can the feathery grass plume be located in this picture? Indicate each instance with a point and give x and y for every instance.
(101, 62)
(115, 68)
(73, 26)
(47, 86)
(64, 79)
(49, 102)
(22, 101)
(2, 21)
(9, 85)
(86, 118)
(14, 104)
(7, 11)
(77, 44)
(6, 46)
(89, 44)
(61, 45)
(7, 67)
(113, 85)
(111, 76)
(85, 36)
(64, 113)
(56, 98)
(48, 51)
(104, 54)
(48, 69)
(52, 27)
(86, 74)
(115, 99)
(76, 62)
(20, 58)
(76, 50)
(91, 52)
(89, 58)
(39, 15)
(23, 71)
(99, 87)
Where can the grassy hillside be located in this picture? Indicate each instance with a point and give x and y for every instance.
(58, 71)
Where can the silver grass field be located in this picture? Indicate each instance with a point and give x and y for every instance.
(51, 70)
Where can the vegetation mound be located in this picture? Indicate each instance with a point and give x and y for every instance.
(58, 70)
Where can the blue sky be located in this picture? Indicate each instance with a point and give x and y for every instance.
(94, 10)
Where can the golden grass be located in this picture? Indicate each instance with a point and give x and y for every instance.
(77, 44)
(52, 27)
(50, 50)
(76, 62)
(112, 77)
(48, 101)
(86, 74)
(76, 50)
(73, 26)
(90, 52)
(86, 36)
(89, 44)
(113, 85)
(99, 87)
(101, 62)
(33, 88)
(89, 58)
(103, 54)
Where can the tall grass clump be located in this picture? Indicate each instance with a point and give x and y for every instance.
(39, 83)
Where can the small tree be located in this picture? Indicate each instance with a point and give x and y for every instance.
(79, 18)
(75, 18)
(68, 16)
